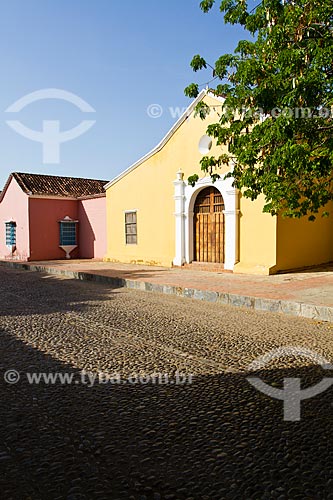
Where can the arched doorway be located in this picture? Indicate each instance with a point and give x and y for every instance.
(208, 222)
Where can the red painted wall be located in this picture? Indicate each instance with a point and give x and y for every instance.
(44, 215)
(37, 226)
(92, 228)
(14, 206)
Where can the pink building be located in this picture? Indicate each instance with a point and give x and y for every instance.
(45, 217)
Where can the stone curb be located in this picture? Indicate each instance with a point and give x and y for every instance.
(300, 309)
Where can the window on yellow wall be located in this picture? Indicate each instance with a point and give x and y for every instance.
(131, 233)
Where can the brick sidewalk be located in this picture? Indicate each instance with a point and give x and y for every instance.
(306, 293)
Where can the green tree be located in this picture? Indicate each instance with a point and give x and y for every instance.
(277, 115)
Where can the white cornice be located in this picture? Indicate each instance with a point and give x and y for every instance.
(167, 137)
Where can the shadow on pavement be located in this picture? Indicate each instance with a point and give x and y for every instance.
(216, 438)
(51, 293)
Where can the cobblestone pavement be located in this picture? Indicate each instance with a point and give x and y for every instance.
(211, 437)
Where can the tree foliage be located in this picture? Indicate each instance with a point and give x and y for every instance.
(277, 115)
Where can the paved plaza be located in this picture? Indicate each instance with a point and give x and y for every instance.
(307, 293)
(157, 405)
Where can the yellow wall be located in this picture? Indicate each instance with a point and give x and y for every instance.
(301, 243)
(149, 189)
(266, 244)
(257, 238)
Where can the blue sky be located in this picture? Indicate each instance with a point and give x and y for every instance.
(120, 57)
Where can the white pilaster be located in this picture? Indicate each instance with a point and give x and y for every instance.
(179, 198)
(231, 243)
(231, 220)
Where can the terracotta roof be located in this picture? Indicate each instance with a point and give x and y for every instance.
(54, 185)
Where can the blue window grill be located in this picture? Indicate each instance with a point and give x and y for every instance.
(10, 233)
(68, 233)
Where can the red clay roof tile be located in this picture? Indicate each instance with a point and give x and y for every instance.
(54, 185)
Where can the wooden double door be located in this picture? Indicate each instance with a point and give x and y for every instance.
(209, 226)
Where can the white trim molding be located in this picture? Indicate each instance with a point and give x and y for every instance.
(185, 116)
(185, 196)
(179, 198)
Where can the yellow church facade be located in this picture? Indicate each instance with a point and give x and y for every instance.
(155, 217)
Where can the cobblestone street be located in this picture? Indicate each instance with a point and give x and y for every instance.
(212, 437)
